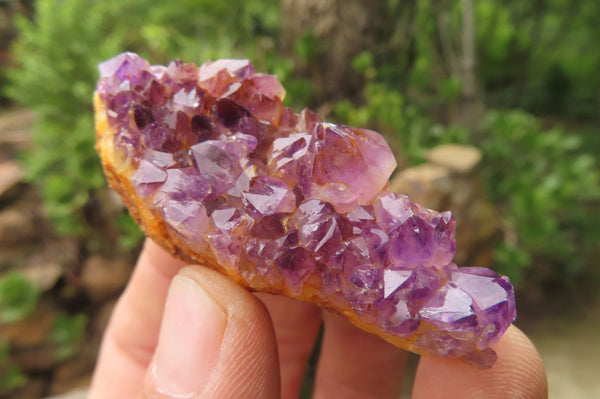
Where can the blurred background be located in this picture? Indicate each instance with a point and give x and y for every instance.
(492, 108)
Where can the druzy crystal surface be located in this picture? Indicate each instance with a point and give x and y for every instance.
(287, 200)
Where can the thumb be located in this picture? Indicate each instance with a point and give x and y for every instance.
(216, 341)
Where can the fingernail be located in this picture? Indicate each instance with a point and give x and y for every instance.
(189, 340)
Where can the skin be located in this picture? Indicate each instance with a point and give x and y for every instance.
(257, 346)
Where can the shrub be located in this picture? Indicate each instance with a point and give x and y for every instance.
(545, 185)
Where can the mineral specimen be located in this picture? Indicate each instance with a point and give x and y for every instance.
(219, 172)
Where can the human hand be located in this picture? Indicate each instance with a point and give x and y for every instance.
(206, 337)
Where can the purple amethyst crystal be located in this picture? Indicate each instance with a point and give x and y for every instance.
(268, 195)
(287, 200)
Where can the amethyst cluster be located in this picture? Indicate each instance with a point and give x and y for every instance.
(287, 200)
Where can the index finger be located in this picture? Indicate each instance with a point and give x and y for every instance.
(132, 333)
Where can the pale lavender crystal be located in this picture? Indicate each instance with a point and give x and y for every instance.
(287, 200)
(148, 173)
(216, 164)
(332, 281)
(393, 279)
(147, 178)
(399, 320)
(345, 166)
(188, 218)
(420, 287)
(268, 85)
(227, 218)
(418, 236)
(450, 309)
(123, 67)
(285, 153)
(268, 195)
(227, 247)
(160, 159)
(127, 143)
(187, 101)
(243, 69)
(262, 253)
(183, 184)
(242, 183)
(295, 264)
(317, 228)
(491, 296)
(366, 278)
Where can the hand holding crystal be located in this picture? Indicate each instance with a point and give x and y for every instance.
(219, 172)
(192, 333)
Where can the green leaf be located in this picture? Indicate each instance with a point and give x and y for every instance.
(363, 63)
(67, 334)
(18, 297)
(10, 374)
(306, 47)
(512, 261)
(11, 377)
(450, 88)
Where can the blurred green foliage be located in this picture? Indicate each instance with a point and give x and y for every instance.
(67, 334)
(18, 297)
(546, 184)
(540, 57)
(10, 375)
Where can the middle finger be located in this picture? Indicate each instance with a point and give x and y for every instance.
(296, 328)
(357, 365)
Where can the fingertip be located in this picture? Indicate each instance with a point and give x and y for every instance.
(190, 339)
(245, 364)
(517, 353)
(517, 373)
